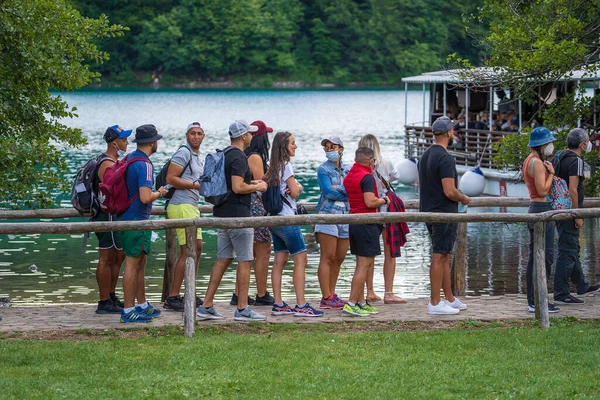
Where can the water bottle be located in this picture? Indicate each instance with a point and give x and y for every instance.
(462, 208)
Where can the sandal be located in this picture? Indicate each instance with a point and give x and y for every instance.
(373, 298)
(393, 299)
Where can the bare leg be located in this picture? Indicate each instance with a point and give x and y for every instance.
(179, 270)
(389, 273)
(216, 275)
(130, 279)
(447, 281)
(279, 261)
(262, 252)
(141, 285)
(104, 272)
(115, 268)
(327, 261)
(300, 261)
(357, 291)
(242, 282)
(436, 275)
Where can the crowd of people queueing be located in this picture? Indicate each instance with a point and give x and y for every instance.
(251, 165)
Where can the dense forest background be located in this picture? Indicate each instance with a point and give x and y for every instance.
(281, 42)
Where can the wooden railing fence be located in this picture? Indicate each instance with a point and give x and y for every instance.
(591, 210)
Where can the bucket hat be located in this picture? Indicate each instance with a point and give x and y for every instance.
(540, 136)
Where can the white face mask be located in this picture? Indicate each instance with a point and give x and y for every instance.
(589, 147)
(549, 149)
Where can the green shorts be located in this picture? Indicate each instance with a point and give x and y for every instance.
(135, 242)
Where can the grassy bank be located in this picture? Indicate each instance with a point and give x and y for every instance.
(471, 361)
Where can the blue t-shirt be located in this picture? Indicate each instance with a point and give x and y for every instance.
(139, 174)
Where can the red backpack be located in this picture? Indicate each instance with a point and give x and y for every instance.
(112, 192)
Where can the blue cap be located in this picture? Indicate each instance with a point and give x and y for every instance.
(115, 132)
(540, 136)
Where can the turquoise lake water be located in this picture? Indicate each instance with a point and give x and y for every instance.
(53, 268)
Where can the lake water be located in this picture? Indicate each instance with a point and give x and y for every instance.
(53, 268)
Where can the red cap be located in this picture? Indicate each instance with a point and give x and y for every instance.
(262, 128)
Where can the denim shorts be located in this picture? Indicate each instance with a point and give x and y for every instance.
(287, 238)
(236, 243)
(443, 236)
(339, 231)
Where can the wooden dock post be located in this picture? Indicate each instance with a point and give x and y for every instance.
(539, 274)
(170, 260)
(459, 262)
(189, 306)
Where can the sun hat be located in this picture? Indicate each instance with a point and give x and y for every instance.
(540, 136)
(146, 134)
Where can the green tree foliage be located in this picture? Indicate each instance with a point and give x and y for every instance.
(535, 42)
(371, 41)
(43, 46)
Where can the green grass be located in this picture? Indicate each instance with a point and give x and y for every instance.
(477, 360)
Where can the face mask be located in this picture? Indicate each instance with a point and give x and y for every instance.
(120, 152)
(549, 149)
(589, 147)
(333, 156)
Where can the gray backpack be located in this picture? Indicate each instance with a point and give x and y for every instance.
(213, 184)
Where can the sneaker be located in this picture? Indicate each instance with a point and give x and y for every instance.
(355, 310)
(369, 308)
(441, 309)
(108, 307)
(248, 315)
(592, 289)
(116, 300)
(282, 310)
(331, 302)
(459, 305)
(208, 313)
(551, 308)
(266, 300)
(174, 303)
(151, 311)
(135, 316)
(307, 311)
(234, 300)
(569, 300)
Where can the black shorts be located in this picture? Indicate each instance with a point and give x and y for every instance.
(107, 240)
(443, 236)
(364, 240)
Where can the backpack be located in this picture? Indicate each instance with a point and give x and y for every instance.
(84, 187)
(213, 184)
(273, 201)
(112, 193)
(161, 178)
(558, 196)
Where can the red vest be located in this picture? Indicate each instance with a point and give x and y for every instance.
(355, 194)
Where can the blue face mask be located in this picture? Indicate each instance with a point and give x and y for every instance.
(333, 156)
(120, 152)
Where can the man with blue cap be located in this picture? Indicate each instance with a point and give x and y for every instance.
(110, 251)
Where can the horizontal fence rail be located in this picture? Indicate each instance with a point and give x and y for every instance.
(412, 204)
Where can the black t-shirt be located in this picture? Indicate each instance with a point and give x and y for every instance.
(436, 164)
(367, 184)
(236, 205)
(572, 165)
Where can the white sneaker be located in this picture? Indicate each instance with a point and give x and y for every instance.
(441, 309)
(459, 305)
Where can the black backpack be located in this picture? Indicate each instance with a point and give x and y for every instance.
(161, 178)
(85, 186)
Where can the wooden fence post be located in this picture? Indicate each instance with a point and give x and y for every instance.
(459, 261)
(170, 260)
(189, 306)
(540, 286)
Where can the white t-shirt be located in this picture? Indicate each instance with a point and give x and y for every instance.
(288, 172)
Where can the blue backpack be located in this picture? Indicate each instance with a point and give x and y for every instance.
(213, 184)
(272, 199)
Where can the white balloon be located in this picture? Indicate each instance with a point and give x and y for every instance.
(407, 171)
(472, 182)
